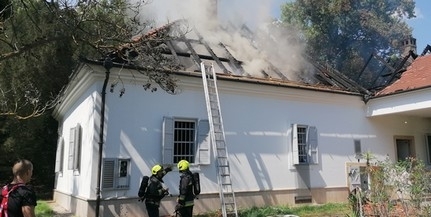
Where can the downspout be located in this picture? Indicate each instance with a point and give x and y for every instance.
(108, 65)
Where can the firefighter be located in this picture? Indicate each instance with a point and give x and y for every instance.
(155, 190)
(186, 197)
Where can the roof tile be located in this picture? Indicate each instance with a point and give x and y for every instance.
(417, 75)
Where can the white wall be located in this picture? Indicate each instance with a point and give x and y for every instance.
(82, 112)
(257, 122)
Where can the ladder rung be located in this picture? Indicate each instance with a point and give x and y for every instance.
(227, 196)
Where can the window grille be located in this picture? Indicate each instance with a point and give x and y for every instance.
(184, 140)
(304, 144)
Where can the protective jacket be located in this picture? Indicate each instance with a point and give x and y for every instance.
(186, 197)
(155, 191)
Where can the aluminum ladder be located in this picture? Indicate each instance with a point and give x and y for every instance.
(227, 195)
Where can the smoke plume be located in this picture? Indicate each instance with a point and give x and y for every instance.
(248, 33)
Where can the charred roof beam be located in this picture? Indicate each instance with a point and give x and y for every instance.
(233, 62)
(173, 52)
(426, 50)
(363, 69)
(215, 57)
(383, 61)
(342, 79)
(200, 56)
(195, 56)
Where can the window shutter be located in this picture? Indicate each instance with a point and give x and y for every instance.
(295, 150)
(59, 155)
(203, 143)
(168, 140)
(108, 177)
(71, 149)
(312, 144)
(77, 149)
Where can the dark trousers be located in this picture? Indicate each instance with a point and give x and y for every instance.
(186, 211)
(152, 210)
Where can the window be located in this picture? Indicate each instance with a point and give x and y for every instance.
(116, 173)
(428, 146)
(304, 144)
(185, 138)
(74, 157)
(59, 156)
(404, 147)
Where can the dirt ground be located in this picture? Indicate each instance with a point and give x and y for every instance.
(397, 210)
(59, 211)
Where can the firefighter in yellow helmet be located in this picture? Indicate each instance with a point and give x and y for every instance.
(155, 190)
(186, 197)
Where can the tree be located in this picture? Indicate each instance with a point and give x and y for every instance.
(41, 42)
(344, 33)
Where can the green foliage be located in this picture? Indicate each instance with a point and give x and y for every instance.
(41, 43)
(345, 33)
(393, 185)
(330, 209)
(265, 211)
(33, 139)
(43, 209)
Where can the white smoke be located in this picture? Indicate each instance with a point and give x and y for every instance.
(279, 48)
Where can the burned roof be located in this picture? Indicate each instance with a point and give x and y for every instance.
(417, 76)
(250, 61)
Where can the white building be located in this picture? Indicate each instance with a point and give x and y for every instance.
(269, 121)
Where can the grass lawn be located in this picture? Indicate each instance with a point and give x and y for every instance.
(326, 210)
(43, 209)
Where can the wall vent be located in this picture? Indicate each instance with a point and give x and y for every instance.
(303, 199)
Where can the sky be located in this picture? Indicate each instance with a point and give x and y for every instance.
(422, 24)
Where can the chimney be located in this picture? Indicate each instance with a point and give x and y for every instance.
(213, 9)
(409, 44)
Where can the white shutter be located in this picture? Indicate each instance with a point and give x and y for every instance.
(312, 145)
(295, 150)
(77, 149)
(168, 140)
(59, 155)
(71, 149)
(203, 143)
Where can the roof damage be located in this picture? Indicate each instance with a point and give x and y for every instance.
(410, 72)
(250, 61)
(414, 77)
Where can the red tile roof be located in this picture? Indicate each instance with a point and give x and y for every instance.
(417, 75)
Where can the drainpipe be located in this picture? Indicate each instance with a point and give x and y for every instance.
(108, 65)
